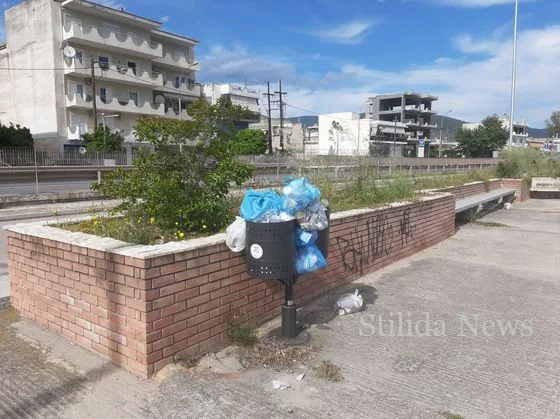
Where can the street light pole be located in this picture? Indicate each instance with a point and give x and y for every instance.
(513, 71)
(441, 135)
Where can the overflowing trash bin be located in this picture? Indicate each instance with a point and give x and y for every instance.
(285, 236)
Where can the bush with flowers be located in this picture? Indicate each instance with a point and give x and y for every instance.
(178, 187)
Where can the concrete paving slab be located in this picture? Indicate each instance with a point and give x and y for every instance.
(467, 327)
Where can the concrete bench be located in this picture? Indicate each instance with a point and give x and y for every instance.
(474, 201)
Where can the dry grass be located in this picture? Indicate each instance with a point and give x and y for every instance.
(328, 371)
(268, 353)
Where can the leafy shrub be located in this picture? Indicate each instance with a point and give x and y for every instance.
(527, 163)
(184, 192)
(249, 141)
(15, 136)
(103, 139)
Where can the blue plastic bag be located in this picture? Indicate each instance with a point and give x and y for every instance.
(304, 238)
(309, 259)
(299, 193)
(257, 203)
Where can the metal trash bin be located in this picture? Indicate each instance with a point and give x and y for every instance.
(323, 237)
(270, 249)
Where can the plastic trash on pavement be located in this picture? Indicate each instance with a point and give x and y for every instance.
(236, 234)
(309, 259)
(349, 303)
(304, 238)
(257, 203)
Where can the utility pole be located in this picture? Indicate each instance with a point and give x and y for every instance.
(94, 94)
(281, 102)
(268, 95)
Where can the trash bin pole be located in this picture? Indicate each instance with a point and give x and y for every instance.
(289, 310)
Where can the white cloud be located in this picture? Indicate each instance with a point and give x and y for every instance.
(352, 32)
(236, 64)
(473, 85)
(163, 19)
(477, 3)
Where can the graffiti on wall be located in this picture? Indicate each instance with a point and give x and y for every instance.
(358, 249)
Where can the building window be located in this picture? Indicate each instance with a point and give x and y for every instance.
(132, 65)
(103, 94)
(77, 88)
(79, 57)
(177, 81)
(103, 61)
(134, 97)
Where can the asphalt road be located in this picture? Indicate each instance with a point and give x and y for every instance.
(45, 187)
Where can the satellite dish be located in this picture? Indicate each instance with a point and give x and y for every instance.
(159, 99)
(69, 51)
(82, 150)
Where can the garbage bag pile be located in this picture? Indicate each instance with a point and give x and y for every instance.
(299, 200)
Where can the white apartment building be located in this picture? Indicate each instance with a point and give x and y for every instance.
(52, 45)
(239, 95)
(520, 130)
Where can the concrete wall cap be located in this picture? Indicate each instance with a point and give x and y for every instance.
(48, 230)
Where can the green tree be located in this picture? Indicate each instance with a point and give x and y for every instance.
(489, 136)
(553, 124)
(249, 141)
(15, 136)
(183, 191)
(103, 139)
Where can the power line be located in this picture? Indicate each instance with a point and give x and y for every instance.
(39, 69)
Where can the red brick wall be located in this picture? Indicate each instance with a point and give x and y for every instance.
(140, 312)
(474, 188)
(521, 185)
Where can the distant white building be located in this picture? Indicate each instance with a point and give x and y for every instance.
(520, 130)
(346, 134)
(239, 95)
(343, 134)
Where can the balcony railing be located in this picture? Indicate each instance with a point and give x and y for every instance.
(116, 73)
(172, 114)
(191, 89)
(178, 59)
(114, 105)
(94, 35)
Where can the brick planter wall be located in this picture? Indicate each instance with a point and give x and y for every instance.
(472, 188)
(521, 185)
(140, 305)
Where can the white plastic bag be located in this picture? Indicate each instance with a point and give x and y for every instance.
(349, 303)
(235, 235)
(507, 206)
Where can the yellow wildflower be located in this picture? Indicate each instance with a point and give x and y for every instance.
(152, 219)
(203, 226)
(181, 234)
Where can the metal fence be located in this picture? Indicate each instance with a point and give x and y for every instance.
(29, 171)
(29, 157)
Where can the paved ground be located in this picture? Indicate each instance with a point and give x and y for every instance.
(489, 297)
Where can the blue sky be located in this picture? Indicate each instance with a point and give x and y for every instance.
(333, 54)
